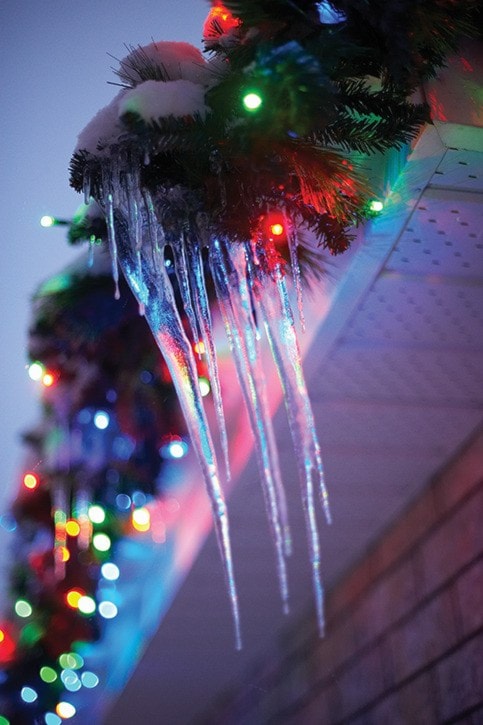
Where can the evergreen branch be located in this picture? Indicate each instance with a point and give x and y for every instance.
(369, 134)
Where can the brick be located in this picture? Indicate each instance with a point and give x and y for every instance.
(469, 595)
(334, 650)
(362, 682)
(454, 544)
(417, 701)
(414, 703)
(462, 475)
(430, 632)
(391, 598)
(460, 679)
(350, 589)
(386, 711)
(408, 529)
(320, 709)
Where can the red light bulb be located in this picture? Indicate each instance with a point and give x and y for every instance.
(277, 229)
(30, 480)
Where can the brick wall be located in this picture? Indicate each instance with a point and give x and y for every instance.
(405, 627)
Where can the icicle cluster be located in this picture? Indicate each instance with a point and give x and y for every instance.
(248, 296)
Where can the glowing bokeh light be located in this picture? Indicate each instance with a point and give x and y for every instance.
(70, 680)
(141, 516)
(65, 710)
(176, 448)
(48, 380)
(36, 370)
(64, 553)
(110, 571)
(52, 719)
(108, 610)
(30, 480)
(72, 597)
(123, 501)
(89, 679)
(73, 685)
(71, 661)
(7, 648)
(72, 527)
(4, 721)
(139, 499)
(141, 519)
(205, 386)
(23, 608)
(200, 347)
(101, 419)
(252, 101)
(86, 605)
(277, 229)
(48, 674)
(101, 542)
(96, 514)
(47, 221)
(376, 205)
(28, 694)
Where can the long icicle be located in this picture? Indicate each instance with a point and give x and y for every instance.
(293, 244)
(234, 303)
(181, 269)
(277, 315)
(203, 314)
(242, 261)
(153, 289)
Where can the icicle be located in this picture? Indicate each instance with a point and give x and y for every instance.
(230, 282)
(251, 260)
(153, 289)
(86, 187)
(111, 236)
(202, 308)
(297, 277)
(294, 361)
(152, 224)
(179, 253)
(277, 315)
(92, 244)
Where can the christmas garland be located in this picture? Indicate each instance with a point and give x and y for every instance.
(94, 465)
(269, 122)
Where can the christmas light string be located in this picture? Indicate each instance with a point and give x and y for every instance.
(94, 467)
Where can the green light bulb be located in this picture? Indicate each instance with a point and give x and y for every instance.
(48, 674)
(252, 101)
(376, 205)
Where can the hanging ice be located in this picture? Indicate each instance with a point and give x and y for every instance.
(229, 274)
(247, 295)
(145, 271)
(274, 306)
